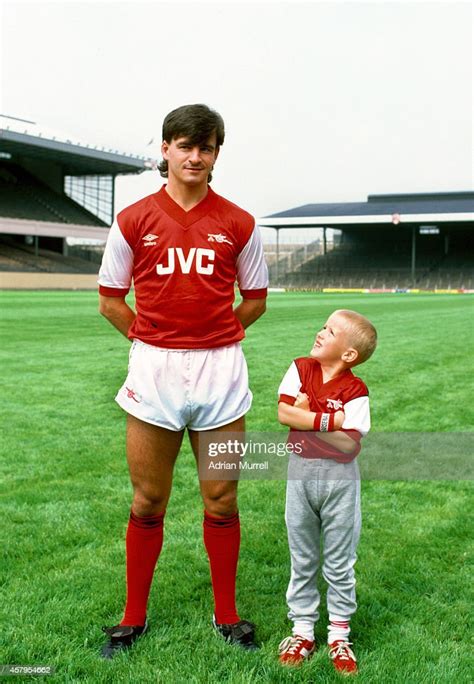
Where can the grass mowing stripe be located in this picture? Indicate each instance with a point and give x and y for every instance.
(67, 495)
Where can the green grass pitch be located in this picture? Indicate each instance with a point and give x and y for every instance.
(66, 497)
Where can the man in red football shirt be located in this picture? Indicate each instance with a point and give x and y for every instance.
(184, 248)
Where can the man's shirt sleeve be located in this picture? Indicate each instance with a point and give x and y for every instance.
(290, 385)
(115, 275)
(252, 272)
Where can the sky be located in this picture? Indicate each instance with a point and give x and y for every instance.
(322, 101)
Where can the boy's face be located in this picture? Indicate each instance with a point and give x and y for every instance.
(332, 341)
(189, 163)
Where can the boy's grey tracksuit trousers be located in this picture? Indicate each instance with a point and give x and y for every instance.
(322, 502)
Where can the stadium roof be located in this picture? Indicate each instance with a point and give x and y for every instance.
(23, 138)
(441, 207)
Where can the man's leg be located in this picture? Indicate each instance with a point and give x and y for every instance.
(221, 530)
(151, 455)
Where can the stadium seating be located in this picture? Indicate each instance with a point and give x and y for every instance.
(21, 258)
(23, 196)
(377, 266)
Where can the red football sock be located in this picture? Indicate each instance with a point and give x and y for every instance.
(143, 545)
(222, 542)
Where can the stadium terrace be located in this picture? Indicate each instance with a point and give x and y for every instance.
(406, 242)
(53, 189)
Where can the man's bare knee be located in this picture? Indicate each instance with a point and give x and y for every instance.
(221, 503)
(148, 503)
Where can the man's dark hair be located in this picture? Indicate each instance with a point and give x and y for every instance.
(196, 122)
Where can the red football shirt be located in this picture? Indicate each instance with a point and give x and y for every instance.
(345, 392)
(184, 266)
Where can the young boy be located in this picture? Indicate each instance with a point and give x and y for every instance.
(326, 408)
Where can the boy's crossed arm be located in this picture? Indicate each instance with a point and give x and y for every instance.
(299, 417)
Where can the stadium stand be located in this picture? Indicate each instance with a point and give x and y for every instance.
(22, 196)
(391, 242)
(21, 258)
(50, 190)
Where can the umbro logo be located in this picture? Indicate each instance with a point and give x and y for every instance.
(218, 237)
(335, 404)
(149, 240)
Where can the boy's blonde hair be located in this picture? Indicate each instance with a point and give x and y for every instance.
(362, 334)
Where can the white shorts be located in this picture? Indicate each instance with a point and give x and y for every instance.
(201, 389)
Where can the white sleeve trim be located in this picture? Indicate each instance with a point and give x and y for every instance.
(291, 383)
(357, 415)
(252, 272)
(117, 262)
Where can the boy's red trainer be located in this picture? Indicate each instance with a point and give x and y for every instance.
(343, 657)
(295, 649)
